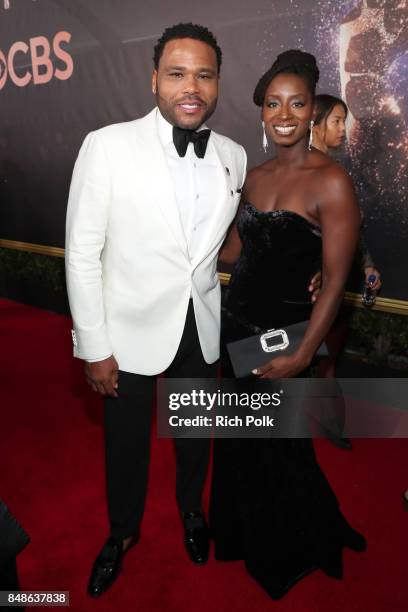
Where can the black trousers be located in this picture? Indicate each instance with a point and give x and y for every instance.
(127, 440)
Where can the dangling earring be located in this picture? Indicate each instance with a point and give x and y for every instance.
(264, 139)
(311, 135)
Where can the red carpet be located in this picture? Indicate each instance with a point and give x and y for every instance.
(52, 479)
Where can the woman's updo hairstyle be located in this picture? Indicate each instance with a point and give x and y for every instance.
(293, 61)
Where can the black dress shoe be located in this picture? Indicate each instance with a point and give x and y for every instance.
(107, 566)
(340, 442)
(196, 537)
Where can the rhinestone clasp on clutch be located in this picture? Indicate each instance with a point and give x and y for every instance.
(272, 333)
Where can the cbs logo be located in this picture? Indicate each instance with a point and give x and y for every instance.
(38, 52)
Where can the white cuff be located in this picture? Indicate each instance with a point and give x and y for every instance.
(99, 358)
(89, 345)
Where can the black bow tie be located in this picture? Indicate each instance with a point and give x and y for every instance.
(182, 137)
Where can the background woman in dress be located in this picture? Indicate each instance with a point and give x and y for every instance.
(271, 504)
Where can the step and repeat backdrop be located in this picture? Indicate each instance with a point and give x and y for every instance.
(71, 66)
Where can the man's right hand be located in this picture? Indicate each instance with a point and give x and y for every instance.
(102, 376)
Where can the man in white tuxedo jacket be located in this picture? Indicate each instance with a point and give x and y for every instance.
(150, 203)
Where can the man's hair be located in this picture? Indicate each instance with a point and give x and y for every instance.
(186, 30)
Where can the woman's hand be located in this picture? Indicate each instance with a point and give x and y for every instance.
(282, 367)
(368, 271)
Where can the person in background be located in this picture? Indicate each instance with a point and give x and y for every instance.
(328, 135)
(13, 540)
(329, 132)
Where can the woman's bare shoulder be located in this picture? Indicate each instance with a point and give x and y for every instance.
(330, 171)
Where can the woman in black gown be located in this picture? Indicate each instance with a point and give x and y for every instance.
(271, 504)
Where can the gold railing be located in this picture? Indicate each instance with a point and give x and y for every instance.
(32, 248)
(383, 304)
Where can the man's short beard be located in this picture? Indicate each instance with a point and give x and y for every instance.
(172, 118)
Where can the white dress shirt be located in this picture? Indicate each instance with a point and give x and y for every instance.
(196, 182)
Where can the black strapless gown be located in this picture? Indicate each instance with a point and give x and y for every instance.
(271, 504)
